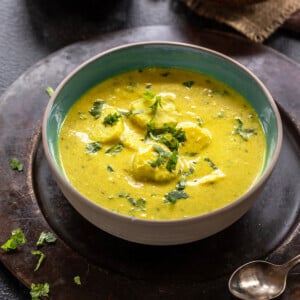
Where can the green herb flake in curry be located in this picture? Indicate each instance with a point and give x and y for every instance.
(184, 146)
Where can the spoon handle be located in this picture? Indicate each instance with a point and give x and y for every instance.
(292, 263)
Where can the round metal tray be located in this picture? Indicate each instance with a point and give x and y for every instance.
(111, 268)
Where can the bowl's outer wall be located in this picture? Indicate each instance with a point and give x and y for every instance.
(161, 55)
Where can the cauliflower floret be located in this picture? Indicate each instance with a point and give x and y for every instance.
(150, 163)
(104, 131)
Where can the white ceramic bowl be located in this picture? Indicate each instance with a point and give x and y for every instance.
(163, 54)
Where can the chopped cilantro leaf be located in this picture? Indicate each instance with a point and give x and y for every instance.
(49, 90)
(167, 135)
(114, 149)
(110, 169)
(175, 195)
(172, 161)
(181, 184)
(93, 147)
(165, 74)
(199, 121)
(77, 280)
(148, 95)
(164, 157)
(39, 290)
(212, 165)
(17, 238)
(189, 172)
(46, 237)
(111, 119)
(82, 116)
(16, 164)
(131, 112)
(244, 133)
(156, 104)
(188, 84)
(41, 259)
(161, 158)
(96, 110)
(138, 204)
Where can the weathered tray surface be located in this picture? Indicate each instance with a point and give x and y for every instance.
(111, 268)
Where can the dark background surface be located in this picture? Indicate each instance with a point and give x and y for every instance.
(32, 29)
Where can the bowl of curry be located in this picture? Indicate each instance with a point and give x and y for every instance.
(161, 143)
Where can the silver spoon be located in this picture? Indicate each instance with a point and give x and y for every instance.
(260, 280)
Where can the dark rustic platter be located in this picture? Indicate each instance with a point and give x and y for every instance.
(111, 268)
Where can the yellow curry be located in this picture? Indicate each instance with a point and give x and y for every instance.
(162, 144)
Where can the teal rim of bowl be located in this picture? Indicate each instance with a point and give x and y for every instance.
(162, 54)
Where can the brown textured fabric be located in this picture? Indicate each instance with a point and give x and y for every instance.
(256, 21)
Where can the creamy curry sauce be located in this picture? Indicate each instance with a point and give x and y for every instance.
(162, 144)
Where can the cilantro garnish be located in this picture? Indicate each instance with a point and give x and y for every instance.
(189, 172)
(49, 90)
(165, 74)
(188, 84)
(172, 161)
(16, 164)
(138, 204)
(212, 165)
(178, 193)
(41, 259)
(175, 195)
(181, 184)
(199, 121)
(164, 157)
(114, 149)
(110, 169)
(157, 103)
(17, 238)
(93, 147)
(167, 135)
(46, 237)
(96, 110)
(77, 280)
(148, 95)
(131, 112)
(39, 290)
(245, 133)
(111, 119)
(82, 116)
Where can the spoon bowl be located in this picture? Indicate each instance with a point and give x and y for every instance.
(260, 280)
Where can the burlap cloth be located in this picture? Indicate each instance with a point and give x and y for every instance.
(255, 21)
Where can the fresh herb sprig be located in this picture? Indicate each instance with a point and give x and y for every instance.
(138, 204)
(42, 257)
(115, 149)
(17, 238)
(111, 119)
(93, 147)
(244, 133)
(167, 135)
(39, 290)
(46, 238)
(96, 110)
(164, 157)
(16, 164)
